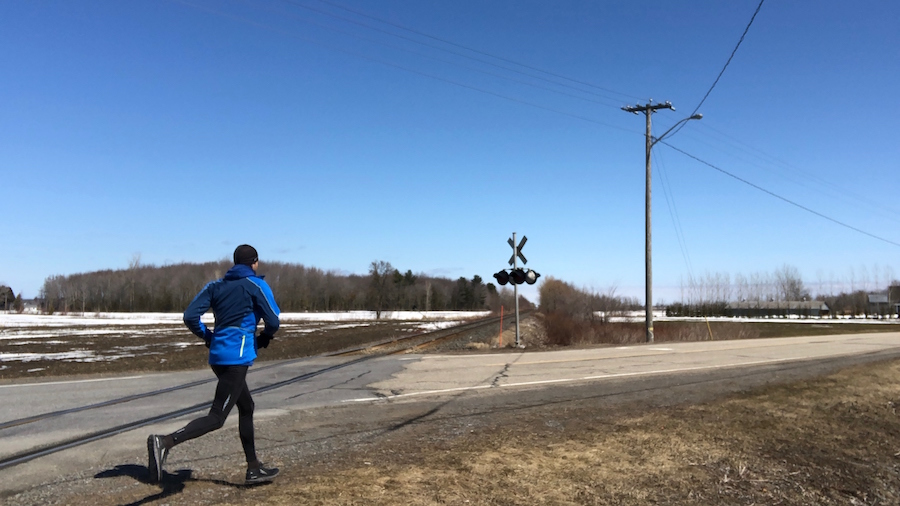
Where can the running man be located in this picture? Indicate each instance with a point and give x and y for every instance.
(239, 300)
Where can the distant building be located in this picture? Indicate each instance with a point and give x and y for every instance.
(879, 304)
(778, 309)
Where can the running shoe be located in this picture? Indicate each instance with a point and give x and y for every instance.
(261, 475)
(156, 457)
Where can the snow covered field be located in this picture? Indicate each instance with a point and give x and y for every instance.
(110, 337)
(11, 320)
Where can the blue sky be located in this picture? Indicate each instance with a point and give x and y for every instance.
(178, 130)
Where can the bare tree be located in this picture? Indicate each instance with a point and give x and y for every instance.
(379, 288)
(820, 283)
(741, 287)
(133, 266)
(790, 284)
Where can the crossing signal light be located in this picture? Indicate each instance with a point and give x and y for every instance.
(517, 276)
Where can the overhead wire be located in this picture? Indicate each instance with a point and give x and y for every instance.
(673, 212)
(837, 191)
(467, 48)
(779, 197)
(721, 72)
(456, 64)
(664, 180)
(747, 29)
(584, 118)
(801, 178)
(539, 106)
(407, 69)
(457, 53)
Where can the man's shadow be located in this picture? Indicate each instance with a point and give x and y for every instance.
(171, 484)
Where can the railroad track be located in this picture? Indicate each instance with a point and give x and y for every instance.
(397, 345)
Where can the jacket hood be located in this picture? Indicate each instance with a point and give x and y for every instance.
(239, 271)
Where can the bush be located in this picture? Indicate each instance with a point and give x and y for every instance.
(559, 329)
(564, 331)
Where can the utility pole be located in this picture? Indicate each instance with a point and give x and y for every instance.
(648, 110)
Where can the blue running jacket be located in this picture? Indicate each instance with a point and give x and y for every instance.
(238, 301)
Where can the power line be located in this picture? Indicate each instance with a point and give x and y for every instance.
(788, 170)
(455, 44)
(779, 197)
(406, 69)
(730, 57)
(528, 103)
(448, 62)
(673, 213)
(459, 65)
(441, 60)
(733, 52)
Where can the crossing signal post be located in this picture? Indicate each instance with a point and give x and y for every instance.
(517, 275)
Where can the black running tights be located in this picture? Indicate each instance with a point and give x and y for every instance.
(232, 390)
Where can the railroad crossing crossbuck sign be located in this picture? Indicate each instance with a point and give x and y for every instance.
(517, 275)
(517, 251)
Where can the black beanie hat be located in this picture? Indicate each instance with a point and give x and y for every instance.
(245, 254)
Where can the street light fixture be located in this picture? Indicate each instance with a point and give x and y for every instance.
(661, 137)
(648, 110)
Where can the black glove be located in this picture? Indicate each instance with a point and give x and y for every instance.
(207, 342)
(263, 340)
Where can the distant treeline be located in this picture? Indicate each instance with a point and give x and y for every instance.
(170, 288)
(712, 294)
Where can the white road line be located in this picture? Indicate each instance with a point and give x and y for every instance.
(571, 380)
(72, 382)
(424, 392)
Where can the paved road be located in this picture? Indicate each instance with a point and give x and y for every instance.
(381, 381)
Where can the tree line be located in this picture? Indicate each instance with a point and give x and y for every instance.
(297, 288)
(710, 294)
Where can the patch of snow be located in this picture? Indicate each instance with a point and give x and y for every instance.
(437, 325)
(14, 320)
(32, 357)
(385, 315)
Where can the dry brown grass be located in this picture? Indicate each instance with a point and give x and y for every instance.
(564, 331)
(833, 440)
